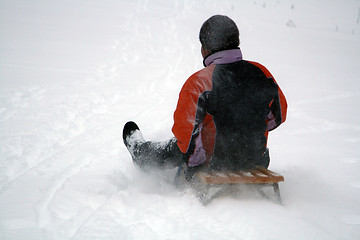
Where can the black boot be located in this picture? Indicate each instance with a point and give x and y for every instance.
(132, 137)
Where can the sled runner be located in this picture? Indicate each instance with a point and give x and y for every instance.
(256, 178)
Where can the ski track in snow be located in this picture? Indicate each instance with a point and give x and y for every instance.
(72, 73)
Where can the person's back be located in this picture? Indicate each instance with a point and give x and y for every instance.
(239, 104)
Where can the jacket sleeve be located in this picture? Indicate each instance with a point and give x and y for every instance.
(191, 123)
(184, 117)
(278, 107)
(278, 110)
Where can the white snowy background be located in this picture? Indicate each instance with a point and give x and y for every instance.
(72, 72)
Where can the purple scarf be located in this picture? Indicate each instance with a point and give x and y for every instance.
(223, 57)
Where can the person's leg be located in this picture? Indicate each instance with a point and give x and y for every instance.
(149, 155)
(160, 155)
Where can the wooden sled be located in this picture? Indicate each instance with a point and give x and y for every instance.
(258, 178)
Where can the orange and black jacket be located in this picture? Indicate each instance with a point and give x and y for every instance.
(225, 111)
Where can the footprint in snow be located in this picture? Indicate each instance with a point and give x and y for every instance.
(349, 160)
(351, 219)
(355, 185)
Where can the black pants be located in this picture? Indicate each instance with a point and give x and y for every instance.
(159, 155)
(165, 155)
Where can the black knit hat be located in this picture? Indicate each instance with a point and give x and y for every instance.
(219, 33)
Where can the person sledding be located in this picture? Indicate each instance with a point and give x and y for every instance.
(224, 111)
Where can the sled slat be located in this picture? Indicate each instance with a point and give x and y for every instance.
(256, 175)
(277, 177)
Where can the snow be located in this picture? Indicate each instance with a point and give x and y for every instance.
(72, 73)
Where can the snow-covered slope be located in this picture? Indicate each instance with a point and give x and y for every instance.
(73, 72)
